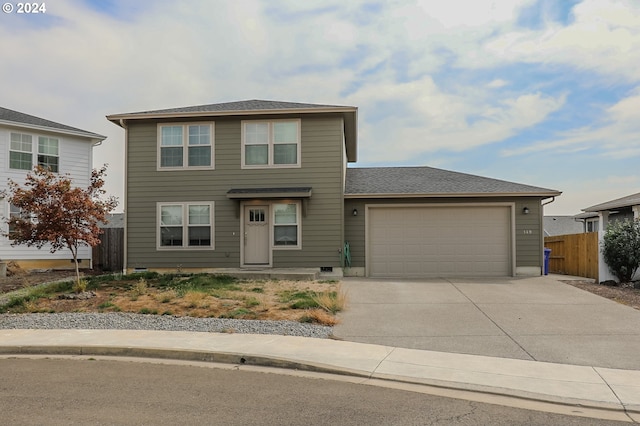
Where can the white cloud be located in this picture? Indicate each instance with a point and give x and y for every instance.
(429, 119)
(497, 83)
(604, 36)
(617, 135)
(464, 13)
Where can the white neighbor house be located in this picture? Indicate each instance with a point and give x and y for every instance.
(26, 141)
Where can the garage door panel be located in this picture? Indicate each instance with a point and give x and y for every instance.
(439, 241)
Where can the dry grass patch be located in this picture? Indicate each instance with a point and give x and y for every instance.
(200, 295)
(166, 296)
(319, 316)
(332, 301)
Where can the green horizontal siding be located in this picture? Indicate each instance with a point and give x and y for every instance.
(322, 162)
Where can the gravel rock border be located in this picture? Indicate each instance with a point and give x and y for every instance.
(128, 321)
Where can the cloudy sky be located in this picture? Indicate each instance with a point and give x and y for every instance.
(542, 92)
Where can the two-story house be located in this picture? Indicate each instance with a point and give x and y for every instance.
(27, 141)
(264, 184)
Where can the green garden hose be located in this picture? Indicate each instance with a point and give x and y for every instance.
(347, 254)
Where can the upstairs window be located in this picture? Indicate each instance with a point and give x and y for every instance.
(48, 154)
(21, 152)
(271, 143)
(185, 146)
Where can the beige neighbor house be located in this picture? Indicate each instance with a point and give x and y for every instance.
(27, 141)
(264, 184)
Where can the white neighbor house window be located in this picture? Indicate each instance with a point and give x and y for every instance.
(182, 146)
(21, 152)
(14, 211)
(185, 225)
(286, 225)
(48, 153)
(271, 143)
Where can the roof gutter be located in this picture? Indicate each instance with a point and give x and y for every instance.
(549, 202)
(456, 194)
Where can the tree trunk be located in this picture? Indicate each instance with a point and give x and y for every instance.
(74, 252)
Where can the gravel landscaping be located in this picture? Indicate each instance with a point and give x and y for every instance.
(128, 321)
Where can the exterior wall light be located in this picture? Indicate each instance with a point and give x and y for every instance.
(355, 212)
(525, 210)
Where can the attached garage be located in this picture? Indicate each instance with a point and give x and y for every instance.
(415, 222)
(439, 240)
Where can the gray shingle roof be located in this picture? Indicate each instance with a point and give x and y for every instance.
(412, 181)
(248, 105)
(20, 118)
(562, 225)
(254, 107)
(114, 220)
(629, 200)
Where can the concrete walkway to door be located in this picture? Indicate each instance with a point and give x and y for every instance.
(532, 318)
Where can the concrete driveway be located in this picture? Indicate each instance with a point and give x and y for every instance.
(534, 318)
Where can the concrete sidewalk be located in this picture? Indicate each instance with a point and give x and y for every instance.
(613, 392)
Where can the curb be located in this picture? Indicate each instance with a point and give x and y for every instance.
(236, 358)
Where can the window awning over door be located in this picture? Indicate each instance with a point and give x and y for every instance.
(240, 194)
(265, 193)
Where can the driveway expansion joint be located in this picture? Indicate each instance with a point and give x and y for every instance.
(492, 321)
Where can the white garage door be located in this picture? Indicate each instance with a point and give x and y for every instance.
(439, 241)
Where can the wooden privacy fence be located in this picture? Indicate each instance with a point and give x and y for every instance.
(574, 254)
(109, 254)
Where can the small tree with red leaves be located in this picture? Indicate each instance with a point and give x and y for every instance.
(54, 212)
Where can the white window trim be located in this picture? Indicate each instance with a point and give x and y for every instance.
(272, 231)
(38, 153)
(270, 144)
(22, 152)
(35, 151)
(185, 226)
(185, 146)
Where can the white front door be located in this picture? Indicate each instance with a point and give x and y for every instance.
(256, 235)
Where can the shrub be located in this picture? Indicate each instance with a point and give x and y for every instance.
(621, 248)
(80, 286)
(332, 301)
(140, 288)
